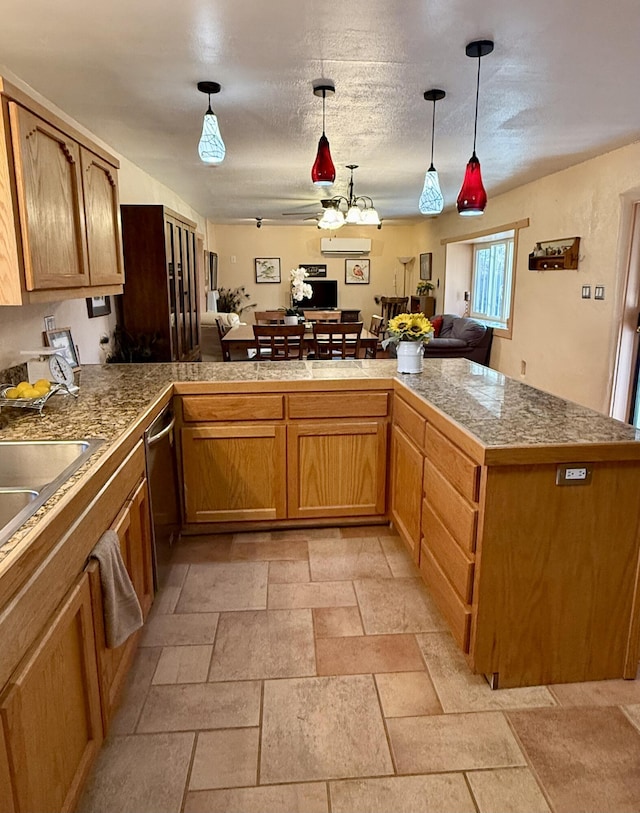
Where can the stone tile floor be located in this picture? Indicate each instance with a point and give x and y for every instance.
(310, 671)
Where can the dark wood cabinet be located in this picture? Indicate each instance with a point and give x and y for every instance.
(423, 304)
(159, 307)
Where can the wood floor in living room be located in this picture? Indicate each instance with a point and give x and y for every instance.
(310, 671)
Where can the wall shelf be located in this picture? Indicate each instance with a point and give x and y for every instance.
(555, 254)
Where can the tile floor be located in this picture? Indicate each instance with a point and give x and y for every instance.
(310, 671)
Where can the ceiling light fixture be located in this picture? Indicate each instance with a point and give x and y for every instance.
(431, 199)
(359, 209)
(323, 172)
(472, 198)
(211, 148)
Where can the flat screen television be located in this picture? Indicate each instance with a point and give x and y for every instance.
(325, 295)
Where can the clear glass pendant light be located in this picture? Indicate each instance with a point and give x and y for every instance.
(431, 199)
(211, 148)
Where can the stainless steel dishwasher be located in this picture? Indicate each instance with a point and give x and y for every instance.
(159, 443)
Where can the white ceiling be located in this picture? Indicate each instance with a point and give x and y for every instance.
(560, 87)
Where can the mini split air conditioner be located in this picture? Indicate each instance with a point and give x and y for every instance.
(352, 246)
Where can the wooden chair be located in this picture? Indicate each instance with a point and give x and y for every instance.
(376, 328)
(322, 316)
(222, 331)
(269, 317)
(278, 342)
(339, 340)
(392, 306)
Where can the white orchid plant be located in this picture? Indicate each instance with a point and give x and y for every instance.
(299, 289)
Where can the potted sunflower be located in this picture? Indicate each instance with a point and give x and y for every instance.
(409, 332)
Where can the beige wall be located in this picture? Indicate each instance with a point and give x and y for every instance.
(568, 343)
(21, 327)
(238, 246)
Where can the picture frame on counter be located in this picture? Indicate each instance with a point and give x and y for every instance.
(357, 272)
(267, 269)
(98, 306)
(61, 341)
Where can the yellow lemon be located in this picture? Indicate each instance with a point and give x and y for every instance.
(31, 392)
(12, 393)
(23, 385)
(41, 391)
(43, 384)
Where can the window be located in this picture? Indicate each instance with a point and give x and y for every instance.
(491, 282)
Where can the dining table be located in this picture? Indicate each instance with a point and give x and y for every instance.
(241, 337)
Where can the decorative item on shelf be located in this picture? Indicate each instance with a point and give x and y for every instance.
(211, 148)
(472, 198)
(424, 287)
(354, 210)
(555, 254)
(299, 290)
(323, 172)
(409, 332)
(431, 199)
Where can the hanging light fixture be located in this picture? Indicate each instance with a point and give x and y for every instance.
(431, 199)
(472, 198)
(323, 172)
(356, 209)
(211, 148)
(332, 217)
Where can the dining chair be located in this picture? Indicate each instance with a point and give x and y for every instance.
(278, 342)
(375, 327)
(336, 340)
(322, 316)
(269, 317)
(392, 306)
(222, 331)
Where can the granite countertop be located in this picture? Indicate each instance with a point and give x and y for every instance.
(499, 411)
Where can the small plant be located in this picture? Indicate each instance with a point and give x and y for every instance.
(234, 300)
(408, 327)
(424, 287)
(128, 348)
(299, 289)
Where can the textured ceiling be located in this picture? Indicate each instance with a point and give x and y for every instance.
(558, 88)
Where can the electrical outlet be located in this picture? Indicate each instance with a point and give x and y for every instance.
(573, 474)
(233, 258)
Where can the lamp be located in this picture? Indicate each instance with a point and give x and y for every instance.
(472, 198)
(359, 209)
(431, 199)
(323, 172)
(211, 148)
(405, 262)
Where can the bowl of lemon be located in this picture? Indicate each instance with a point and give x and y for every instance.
(29, 395)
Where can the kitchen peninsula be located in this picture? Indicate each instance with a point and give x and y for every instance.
(520, 510)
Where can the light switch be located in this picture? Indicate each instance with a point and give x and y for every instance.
(598, 292)
(586, 292)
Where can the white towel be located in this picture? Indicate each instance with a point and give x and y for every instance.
(122, 611)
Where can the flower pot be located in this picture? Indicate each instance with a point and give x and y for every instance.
(410, 355)
(291, 320)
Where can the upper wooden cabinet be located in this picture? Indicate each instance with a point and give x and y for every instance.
(59, 213)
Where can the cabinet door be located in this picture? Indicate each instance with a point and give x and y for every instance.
(234, 473)
(50, 203)
(6, 786)
(172, 282)
(134, 533)
(337, 469)
(100, 187)
(191, 295)
(51, 710)
(406, 489)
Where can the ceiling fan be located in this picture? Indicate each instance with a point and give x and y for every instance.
(310, 215)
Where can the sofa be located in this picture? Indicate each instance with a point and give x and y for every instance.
(459, 337)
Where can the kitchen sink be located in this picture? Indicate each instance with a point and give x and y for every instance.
(31, 471)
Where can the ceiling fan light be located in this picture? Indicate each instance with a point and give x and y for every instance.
(354, 215)
(472, 199)
(370, 217)
(431, 199)
(323, 172)
(332, 218)
(211, 148)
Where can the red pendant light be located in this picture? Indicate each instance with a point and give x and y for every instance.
(323, 172)
(472, 198)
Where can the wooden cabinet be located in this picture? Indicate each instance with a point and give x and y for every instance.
(337, 469)
(51, 710)
(406, 489)
(160, 302)
(133, 528)
(59, 218)
(423, 304)
(234, 472)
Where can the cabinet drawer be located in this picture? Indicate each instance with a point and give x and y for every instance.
(456, 612)
(455, 563)
(458, 516)
(232, 407)
(411, 423)
(339, 405)
(462, 472)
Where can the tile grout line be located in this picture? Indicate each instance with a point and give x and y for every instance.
(185, 792)
(530, 765)
(260, 722)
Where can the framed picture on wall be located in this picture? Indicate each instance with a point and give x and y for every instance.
(356, 272)
(211, 270)
(267, 269)
(315, 270)
(98, 306)
(425, 266)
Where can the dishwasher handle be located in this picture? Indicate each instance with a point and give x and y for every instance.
(153, 439)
